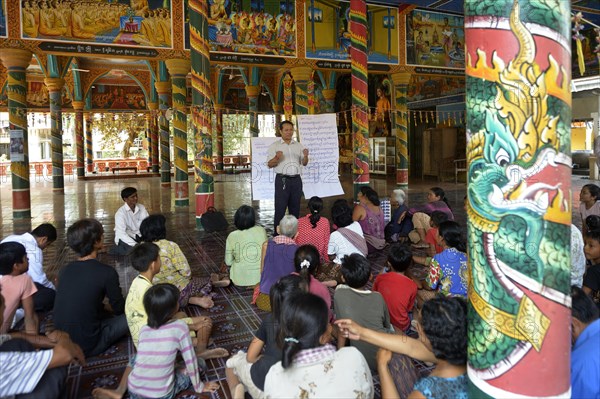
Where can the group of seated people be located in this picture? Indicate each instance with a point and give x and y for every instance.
(416, 308)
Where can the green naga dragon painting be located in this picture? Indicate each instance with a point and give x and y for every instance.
(519, 197)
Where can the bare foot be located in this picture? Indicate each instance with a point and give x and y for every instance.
(103, 393)
(218, 281)
(214, 353)
(330, 283)
(210, 386)
(239, 392)
(205, 302)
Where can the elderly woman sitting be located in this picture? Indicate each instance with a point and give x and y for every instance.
(398, 228)
(277, 259)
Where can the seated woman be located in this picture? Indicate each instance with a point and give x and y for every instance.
(309, 363)
(399, 226)
(277, 259)
(442, 328)
(175, 268)
(243, 248)
(447, 273)
(247, 371)
(306, 262)
(436, 201)
(346, 240)
(369, 215)
(314, 229)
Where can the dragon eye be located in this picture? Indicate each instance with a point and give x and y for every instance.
(502, 157)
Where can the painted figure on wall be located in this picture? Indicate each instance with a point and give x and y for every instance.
(118, 97)
(435, 39)
(251, 30)
(127, 22)
(519, 205)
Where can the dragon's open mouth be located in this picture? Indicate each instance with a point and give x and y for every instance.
(539, 188)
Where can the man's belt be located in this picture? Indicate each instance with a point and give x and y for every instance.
(288, 176)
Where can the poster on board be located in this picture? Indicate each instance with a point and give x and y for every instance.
(319, 134)
(263, 178)
(17, 145)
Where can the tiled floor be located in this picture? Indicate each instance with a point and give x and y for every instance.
(234, 318)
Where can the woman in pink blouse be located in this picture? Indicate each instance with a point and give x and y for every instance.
(314, 229)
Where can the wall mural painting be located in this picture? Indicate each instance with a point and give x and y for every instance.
(38, 96)
(435, 39)
(250, 27)
(427, 87)
(3, 30)
(124, 22)
(328, 34)
(519, 200)
(118, 97)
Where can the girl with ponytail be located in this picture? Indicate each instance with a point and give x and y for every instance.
(306, 261)
(314, 229)
(309, 363)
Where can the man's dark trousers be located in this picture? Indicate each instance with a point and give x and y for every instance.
(288, 192)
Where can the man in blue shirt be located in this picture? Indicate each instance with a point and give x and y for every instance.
(585, 358)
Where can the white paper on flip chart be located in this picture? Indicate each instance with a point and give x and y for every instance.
(319, 134)
(263, 178)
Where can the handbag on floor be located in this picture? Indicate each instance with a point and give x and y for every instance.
(213, 220)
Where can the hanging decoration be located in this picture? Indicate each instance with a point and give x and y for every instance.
(578, 37)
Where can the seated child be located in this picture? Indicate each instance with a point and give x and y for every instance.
(351, 300)
(154, 373)
(247, 371)
(306, 262)
(436, 218)
(442, 328)
(310, 366)
(82, 286)
(398, 290)
(591, 278)
(17, 287)
(145, 258)
(277, 259)
(175, 268)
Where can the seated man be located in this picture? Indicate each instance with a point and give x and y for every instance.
(35, 242)
(127, 222)
(82, 286)
(35, 374)
(585, 358)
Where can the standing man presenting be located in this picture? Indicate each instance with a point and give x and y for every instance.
(287, 156)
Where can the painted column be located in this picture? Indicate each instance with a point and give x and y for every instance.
(360, 102)
(302, 76)
(219, 126)
(16, 62)
(178, 69)
(201, 107)
(277, 109)
(518, 80)
(89, 149)
(154, 142)
(329, 95)
(252, 92)
(55, 86)
(164, 101)
(401, 81)
(79, 141)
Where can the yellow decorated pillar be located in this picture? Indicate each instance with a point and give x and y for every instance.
(164, 101)
(178, 69)
(153, 135)
(79, 139)
(252, 92)
(401, 81)
(329, 95)
(219, 125)
(302, 76)
(16, 62)
(55, 86)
